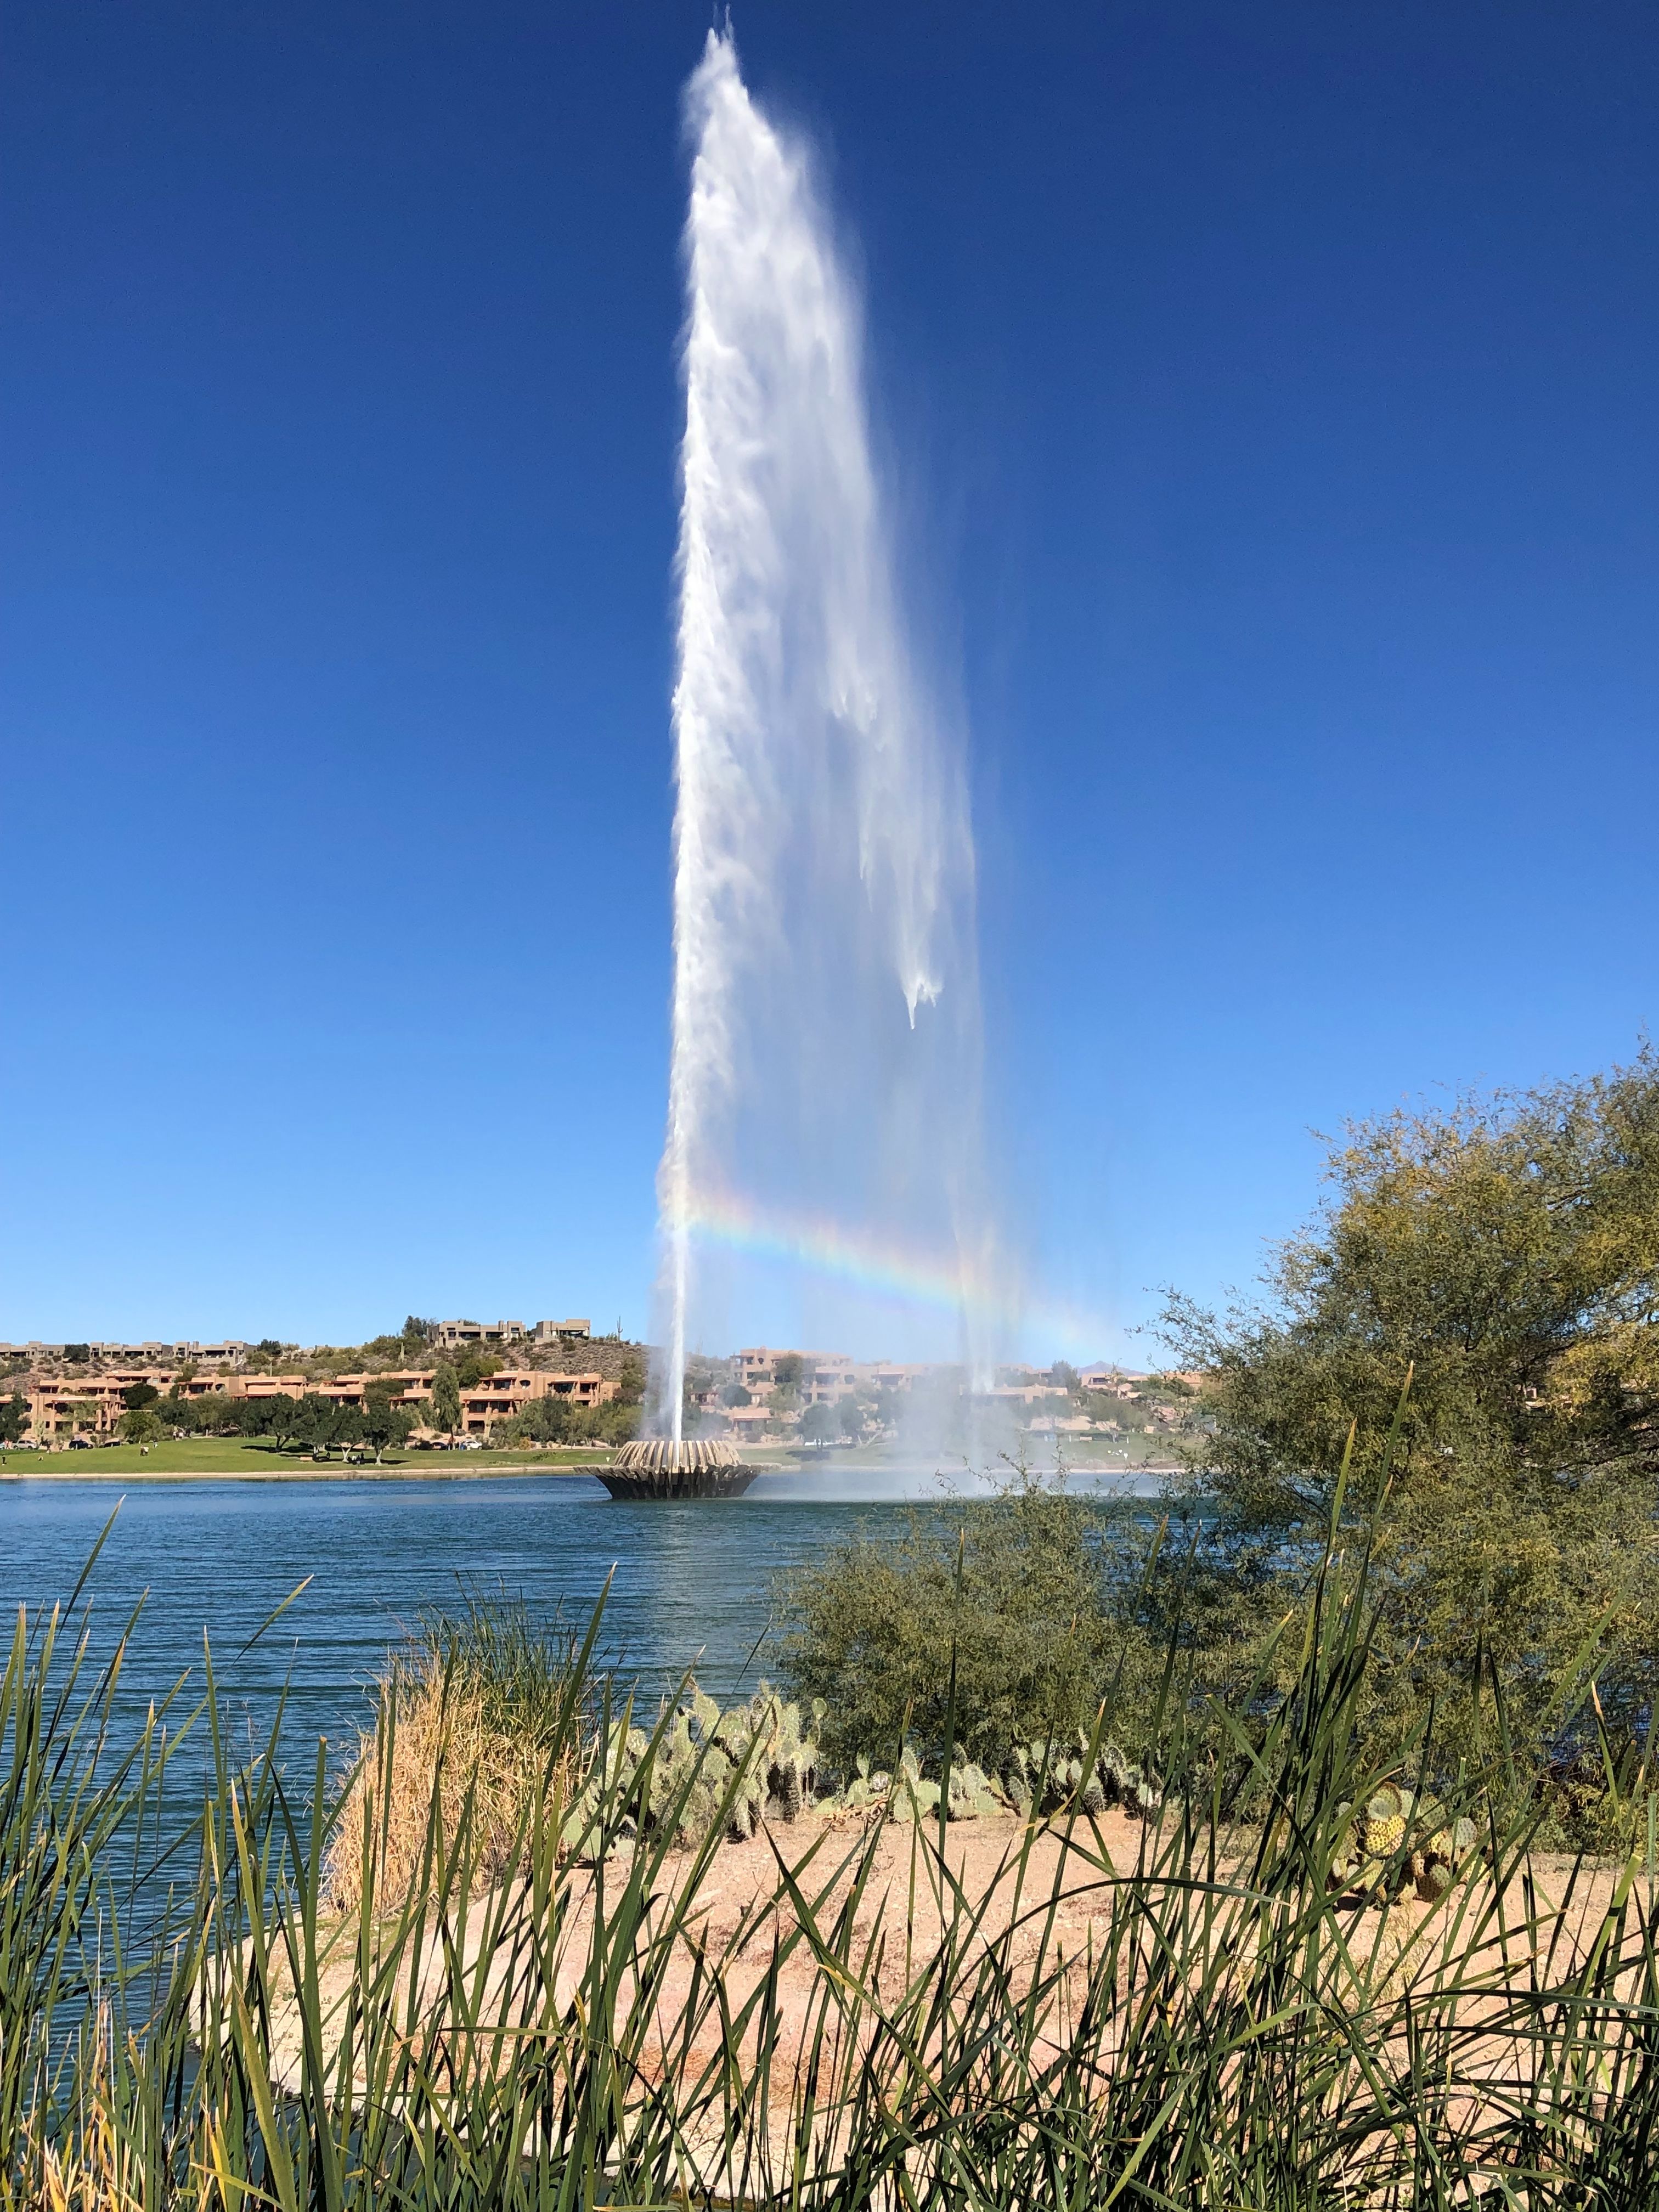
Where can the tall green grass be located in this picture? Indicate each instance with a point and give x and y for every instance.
(1207, 2020)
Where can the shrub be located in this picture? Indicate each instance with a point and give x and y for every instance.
(1023, 1589)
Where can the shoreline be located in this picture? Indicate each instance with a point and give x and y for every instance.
(259, 1474)
(512, 1468)
(312, 1474)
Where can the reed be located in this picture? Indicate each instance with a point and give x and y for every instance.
(1213, 2015)
(466, 1719)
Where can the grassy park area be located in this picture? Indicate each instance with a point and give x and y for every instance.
(258, 1459)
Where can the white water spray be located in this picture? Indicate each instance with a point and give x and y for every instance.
(825, 1051)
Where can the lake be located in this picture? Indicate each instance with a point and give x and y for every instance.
(691, 1583)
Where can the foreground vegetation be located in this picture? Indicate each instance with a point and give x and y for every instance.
(1504, 1257)
(442, 1980)
(1276, 1789)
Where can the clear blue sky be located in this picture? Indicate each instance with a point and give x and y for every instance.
(1273, 395)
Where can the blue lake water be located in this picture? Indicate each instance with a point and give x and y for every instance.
(691, 1585)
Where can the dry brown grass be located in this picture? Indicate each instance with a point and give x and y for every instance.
(444, 1753)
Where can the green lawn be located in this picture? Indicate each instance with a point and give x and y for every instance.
(234, 1455)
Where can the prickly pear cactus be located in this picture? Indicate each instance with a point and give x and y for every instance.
(1385, 1821)
(753, 1761)
(1047, 1777)
(774, 1754)
(1443, 1852)
(1373, 1856)
(971, 1795)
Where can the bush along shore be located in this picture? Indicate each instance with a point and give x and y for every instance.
(534, 1949)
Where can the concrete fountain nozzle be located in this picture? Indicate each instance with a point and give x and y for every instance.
(657, 1468)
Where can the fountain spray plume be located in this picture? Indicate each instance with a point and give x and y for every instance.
(826, 1042)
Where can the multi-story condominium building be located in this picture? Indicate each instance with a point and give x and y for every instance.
(451, 1334)
(152, 1352)
(825, 1376)
(93, 1406)
(67, 1406)
(891, 1374)
(1034, 1393)
(503, 1395)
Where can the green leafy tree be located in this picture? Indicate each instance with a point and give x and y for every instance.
(278, 1417)
(476, 1367)
(818, 1424)
(316, 1421)
(141, 1425)
(214, 1414)
(83, 1413)
(13, 1419)
(614, 1423)
(852, 1417)
(136, 1396)
(735, 1395)
(267, 1417)
(786, 1370)
(1508, 1250)
(543, 1421)
(78, 1355)
(630, 1380)
(385, 1423)
(446, 1411)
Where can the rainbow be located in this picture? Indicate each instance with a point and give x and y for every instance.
(879, 1265)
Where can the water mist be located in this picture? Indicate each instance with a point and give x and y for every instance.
(823, 1096)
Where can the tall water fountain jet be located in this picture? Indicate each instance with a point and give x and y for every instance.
(823, 1101)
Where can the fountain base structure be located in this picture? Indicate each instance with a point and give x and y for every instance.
(658, 1469)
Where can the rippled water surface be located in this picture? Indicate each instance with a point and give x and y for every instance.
(691, 1585)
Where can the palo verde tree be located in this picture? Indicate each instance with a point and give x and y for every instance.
(1505, 1255)
(1508, 1250)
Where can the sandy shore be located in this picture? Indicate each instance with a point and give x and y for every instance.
(1035, 1908)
